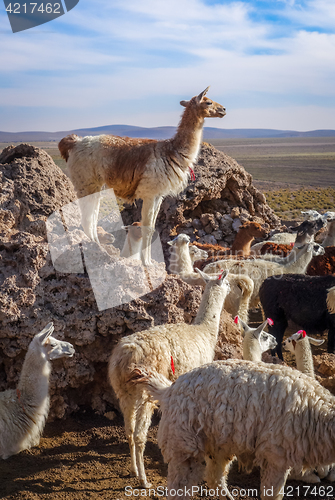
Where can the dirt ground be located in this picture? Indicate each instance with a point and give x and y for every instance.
(87, 456)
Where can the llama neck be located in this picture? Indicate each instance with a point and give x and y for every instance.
(242, 243)
(211, 306)
(304, 358)
(300, 265)
(329, 240)
(252, 349)
(188, 138)
(181, 262)
(34, 380)
(131, 247)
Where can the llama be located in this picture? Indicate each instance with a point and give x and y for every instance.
(305, 234)
(133, 243)
(306, 300)
(321, 265)
(329, 240)
(246, 234)
(137, 168)
(241, 287)
(263, 414)
(171, 349)
(24, 410)
(255, 340)
(197, 254)
(299, 344)
(258, 270)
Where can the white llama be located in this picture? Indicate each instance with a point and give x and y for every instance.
(137, 168)
(23, 412)
(255, 340)
(241, 287)
(171, 349)
(299, 344)
(265, 415)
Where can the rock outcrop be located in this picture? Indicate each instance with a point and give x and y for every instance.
(33, 292)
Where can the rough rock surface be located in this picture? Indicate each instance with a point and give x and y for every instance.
(33, 292)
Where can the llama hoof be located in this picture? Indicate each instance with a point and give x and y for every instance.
(145, 484)
(133, 473)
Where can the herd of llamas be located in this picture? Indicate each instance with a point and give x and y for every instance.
(212, 413)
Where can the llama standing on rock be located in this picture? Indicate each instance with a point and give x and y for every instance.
(266, 415)
(256, 341)
(241, 287)
(137, 168)
(23, 412)
(170, 349)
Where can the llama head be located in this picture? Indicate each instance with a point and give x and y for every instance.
(266, 340)
(205, 107)
(197, 253)
(134, 230)
(254, 229)
(311, 214)
(50, 346)
(181, 239)
(211, 279)
(291, 342)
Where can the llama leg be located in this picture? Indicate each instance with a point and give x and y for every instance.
(182, 476)
(216, 474)
(128, 408)
(89, 208)
(143, 421)
(273, 482)
(147, 222)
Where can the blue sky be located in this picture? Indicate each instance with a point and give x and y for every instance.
(270, 63)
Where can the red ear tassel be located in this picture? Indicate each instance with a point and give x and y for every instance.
(303, 333)
(220, 275)
(172, 366)
(192, 174)
(270, 321)
(236, 320)
(292, 245)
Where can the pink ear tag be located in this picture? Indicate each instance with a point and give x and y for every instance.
(270, 321)
(220, 275)
(303, 333)
(291, 245)
(192, 174)
(236, 320)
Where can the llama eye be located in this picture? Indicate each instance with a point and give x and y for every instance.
(209, 103)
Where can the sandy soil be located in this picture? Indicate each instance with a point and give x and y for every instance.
(87, 456)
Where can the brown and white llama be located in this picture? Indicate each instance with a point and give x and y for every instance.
(137, 168)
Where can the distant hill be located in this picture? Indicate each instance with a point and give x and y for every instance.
(160, 133)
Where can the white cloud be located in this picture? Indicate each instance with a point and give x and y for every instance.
(104, 60)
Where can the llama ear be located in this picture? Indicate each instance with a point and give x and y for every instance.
(45, 333)
(202, 94)
(260, 328)
(204, 276)
(125, 228)
(184, 103)
(245, 327)
(315, 341)
(223, 275)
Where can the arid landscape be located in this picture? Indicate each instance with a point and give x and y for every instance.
(84, 452)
